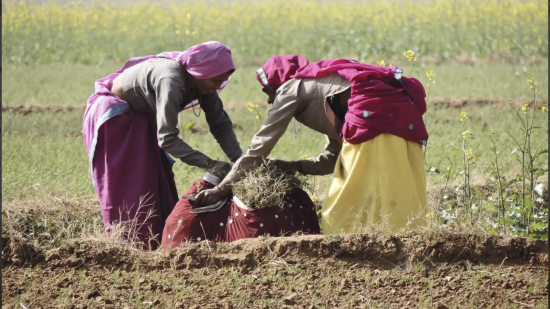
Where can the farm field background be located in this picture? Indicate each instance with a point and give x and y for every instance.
(481, 53)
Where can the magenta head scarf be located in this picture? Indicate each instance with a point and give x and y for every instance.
(277, 70)
(204, 61)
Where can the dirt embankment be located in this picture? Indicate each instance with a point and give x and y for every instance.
(437, 102)
(355, 271)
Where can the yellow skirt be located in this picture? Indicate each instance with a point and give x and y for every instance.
(379, 184)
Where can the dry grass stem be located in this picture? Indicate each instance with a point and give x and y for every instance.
(266, 186)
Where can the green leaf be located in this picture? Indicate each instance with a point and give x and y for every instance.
(537, 226)
(189, 125)
(528, 202)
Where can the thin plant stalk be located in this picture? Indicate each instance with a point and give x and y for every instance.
(446, 183)
(499, 183)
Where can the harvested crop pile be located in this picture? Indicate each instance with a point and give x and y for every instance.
(266, 186)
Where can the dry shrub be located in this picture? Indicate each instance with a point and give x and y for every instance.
(52, 221)
(266, 186)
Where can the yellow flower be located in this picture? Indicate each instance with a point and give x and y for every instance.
(410, 55)
(466, 134)
(251, 107)
(544, 108)
(469, 153)
(381, 63)
(304, 156)
(313, 199)
(525, 107)
(462, 117)
(430, 74)
(189, 16)
(530, 79)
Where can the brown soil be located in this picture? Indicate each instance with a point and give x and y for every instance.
(29, 109)
(499, 103)
(350, 271)
(438, 102)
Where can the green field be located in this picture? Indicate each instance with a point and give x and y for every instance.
(481, 52)
(44, 152)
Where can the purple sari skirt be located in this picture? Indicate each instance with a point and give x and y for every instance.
(132, 175)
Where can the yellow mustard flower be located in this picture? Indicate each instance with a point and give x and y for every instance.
(304, 156)
(430, 74)
(462, 117)
(410, 55)
(251, 107)
(544, 108)
(381, 63)
(525, 107)
(469, 153)
(466, 134)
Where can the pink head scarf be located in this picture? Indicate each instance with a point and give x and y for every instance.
(382, 100)
(204, 61)
(279, 69)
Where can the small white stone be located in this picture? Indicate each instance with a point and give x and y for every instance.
(198, 239)
(244, 215)
(289, 205)
(302, 222)
(261, 225)
(301, 207)
(221, 223)
(230, 221)
(237, 214)
(276, 216)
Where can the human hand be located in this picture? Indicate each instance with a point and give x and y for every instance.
(209, 196)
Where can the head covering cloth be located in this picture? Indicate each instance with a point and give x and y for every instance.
(382, 99)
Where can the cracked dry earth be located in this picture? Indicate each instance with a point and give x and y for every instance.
(350, 271)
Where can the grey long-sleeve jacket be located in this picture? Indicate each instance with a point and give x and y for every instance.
(158, 86)
(305, 100)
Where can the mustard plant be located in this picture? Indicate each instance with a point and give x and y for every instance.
(528, 154)
(495, 168)
(254, 108)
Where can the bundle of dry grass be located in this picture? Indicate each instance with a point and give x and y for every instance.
(266, 186)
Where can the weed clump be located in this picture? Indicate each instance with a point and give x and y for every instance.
(266, 186)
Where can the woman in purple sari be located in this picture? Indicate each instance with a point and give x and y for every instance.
(130, 133)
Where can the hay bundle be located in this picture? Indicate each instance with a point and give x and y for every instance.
(265, 186)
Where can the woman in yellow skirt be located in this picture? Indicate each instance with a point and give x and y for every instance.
(372, 119)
